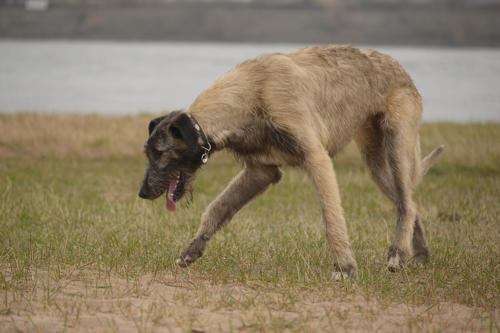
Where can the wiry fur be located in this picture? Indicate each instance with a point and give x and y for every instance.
(300, 109)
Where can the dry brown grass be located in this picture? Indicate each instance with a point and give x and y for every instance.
(71, 136)
(93, 136)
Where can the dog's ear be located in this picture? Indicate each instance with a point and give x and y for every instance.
(182, 128)
(153, 123)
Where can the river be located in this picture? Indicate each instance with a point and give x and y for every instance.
(106, 77)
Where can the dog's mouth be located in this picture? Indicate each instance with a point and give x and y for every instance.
(175, 191)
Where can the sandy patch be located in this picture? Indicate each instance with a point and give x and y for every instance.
(82, 303)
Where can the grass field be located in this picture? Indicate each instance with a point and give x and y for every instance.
(80, 251)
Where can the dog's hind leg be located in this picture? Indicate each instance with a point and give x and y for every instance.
(371, 142)
(397, 151)
(250, 182)
(421, 252)
(389, 144)
(319, 167)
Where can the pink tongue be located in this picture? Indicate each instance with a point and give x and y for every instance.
(170, 194)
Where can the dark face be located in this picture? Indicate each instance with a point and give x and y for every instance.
(174, 151)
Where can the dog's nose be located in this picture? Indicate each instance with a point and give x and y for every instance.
(143, 192)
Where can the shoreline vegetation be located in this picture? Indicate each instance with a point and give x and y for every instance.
(80, 251)
(308, 22)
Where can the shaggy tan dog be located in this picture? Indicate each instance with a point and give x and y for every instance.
(299, 109)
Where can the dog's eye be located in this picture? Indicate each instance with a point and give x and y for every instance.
(175, 132)
(156, 152)
(152, 152)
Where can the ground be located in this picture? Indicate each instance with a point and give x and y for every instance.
(79, 251)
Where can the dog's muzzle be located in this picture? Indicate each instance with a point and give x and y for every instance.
(144, 191)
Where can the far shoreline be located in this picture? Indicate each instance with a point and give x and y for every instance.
(395, 25)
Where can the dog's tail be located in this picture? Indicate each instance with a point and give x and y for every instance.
(426, 163)
(429, 160)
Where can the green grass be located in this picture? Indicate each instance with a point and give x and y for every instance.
(79, 213)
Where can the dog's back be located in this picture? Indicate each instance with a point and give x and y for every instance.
(333, 89)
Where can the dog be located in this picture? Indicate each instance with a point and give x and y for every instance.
(299, 109)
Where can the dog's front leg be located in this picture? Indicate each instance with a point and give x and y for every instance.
(250, 182)
(319, 167)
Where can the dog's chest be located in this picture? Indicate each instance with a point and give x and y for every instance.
(271, 156)
(259, 144)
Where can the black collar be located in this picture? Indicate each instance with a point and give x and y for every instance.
(206, 145)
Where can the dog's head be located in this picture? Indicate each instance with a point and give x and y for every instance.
(174, 150)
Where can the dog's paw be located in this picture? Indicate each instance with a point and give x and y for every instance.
(187, 258)
(422, 256)
(191, 253)
(396, 259)
(184, 261)
(348, 272)
(339, 276)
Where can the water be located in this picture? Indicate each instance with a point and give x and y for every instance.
(133, 77)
